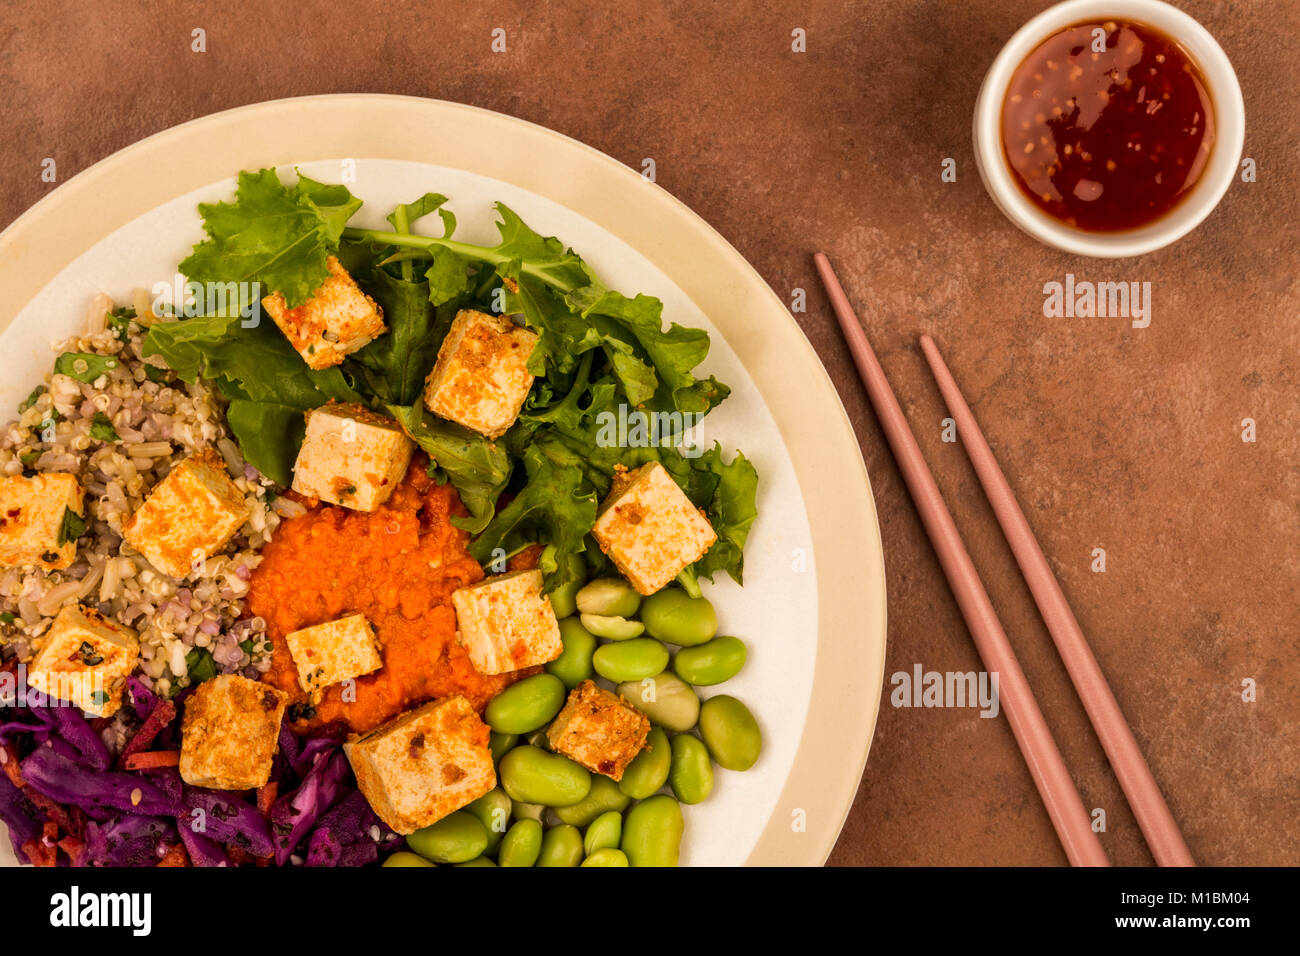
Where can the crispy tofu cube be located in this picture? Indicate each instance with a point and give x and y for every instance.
(230, 733)
(351, 456)
(481, 378)
(337, 320)
(85, 659)
(35, 527)
(189, 515)
(333, 652)
(599, 730)
(424, 764)
(650, 529)
(506, 623)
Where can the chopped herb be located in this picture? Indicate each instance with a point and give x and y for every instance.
(119, 320)
(72, 527)
(349, 490)
(89, 656)
(101, 428)
(30, 400)
(84, 366)
(7, 617)
(246, 647)
(155, 374)
(200, 665)
(29, 457)
(99, 698)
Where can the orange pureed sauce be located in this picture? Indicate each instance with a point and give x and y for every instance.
(1107, 125)
(398, 567)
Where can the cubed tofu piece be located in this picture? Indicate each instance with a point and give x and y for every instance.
(481, 378)
(351, 456)
(40, 521)
(189, 515)
(599, 730)
(337, 320)
(336, 651)
(424, 764)
(230, 733)
(85, 659)
(506, 623)
(650, 529)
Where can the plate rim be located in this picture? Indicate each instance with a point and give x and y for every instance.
(848, 554)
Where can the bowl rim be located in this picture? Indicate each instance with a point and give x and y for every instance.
(848, 556)
(1224, 90)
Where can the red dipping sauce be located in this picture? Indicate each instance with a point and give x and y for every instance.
(1107, 140)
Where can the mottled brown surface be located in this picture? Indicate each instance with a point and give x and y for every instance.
(1113, 437)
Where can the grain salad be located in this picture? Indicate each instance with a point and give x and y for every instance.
(119, 423)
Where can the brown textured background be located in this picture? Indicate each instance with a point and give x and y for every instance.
(1123, 439)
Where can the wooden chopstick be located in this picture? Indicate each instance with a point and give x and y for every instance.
(1064, 806)
(1140, 787)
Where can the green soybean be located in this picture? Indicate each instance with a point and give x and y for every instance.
(604, 795)
(406, 858)
(532, 775)
(522, 844)
(524, 707)
(666, 699)
(561, 846)
(711, 663)
(649, 769)
(612, 628)
(528, 811)
(652, 832)
(674, 616)
(478, 861)
(573, 573)
(608, 596)
(610, 856)
(605, 831)
(691, 775)
(731, 732)
(493, 811)
(455, 838)
(573, 666)
(632, 660)
(501, 743)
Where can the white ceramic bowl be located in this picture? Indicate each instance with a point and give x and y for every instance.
(1229, 110)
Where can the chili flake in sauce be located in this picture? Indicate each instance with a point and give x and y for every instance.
(1107, 140)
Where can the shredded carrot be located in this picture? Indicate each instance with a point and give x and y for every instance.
(175, 856)
(152, 760)
(266, 796)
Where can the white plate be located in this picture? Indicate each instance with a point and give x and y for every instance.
(812, 610)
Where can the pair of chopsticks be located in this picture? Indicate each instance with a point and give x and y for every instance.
(1064, 805)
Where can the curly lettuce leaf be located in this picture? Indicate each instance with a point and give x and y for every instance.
(275, 235)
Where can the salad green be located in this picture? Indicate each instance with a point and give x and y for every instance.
(598, 352)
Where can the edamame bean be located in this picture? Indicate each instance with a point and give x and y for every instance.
(406, 858)
(603, 796)
(523, 707)
(532, 775)
(521, 845)
(612, 628)
(674, 616)
(649, 769)
(478, 861)
(711, 663)
(608, 596)
(666, 699)
(561, 846)
(493, 811)
(455, 838)
(528, 811)
(573, 666)
(605, 831)
(731, 732)
(564, 597)
(500, 744)
(632, 660)
(652, 832)
(691, 775)
(609, 856)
